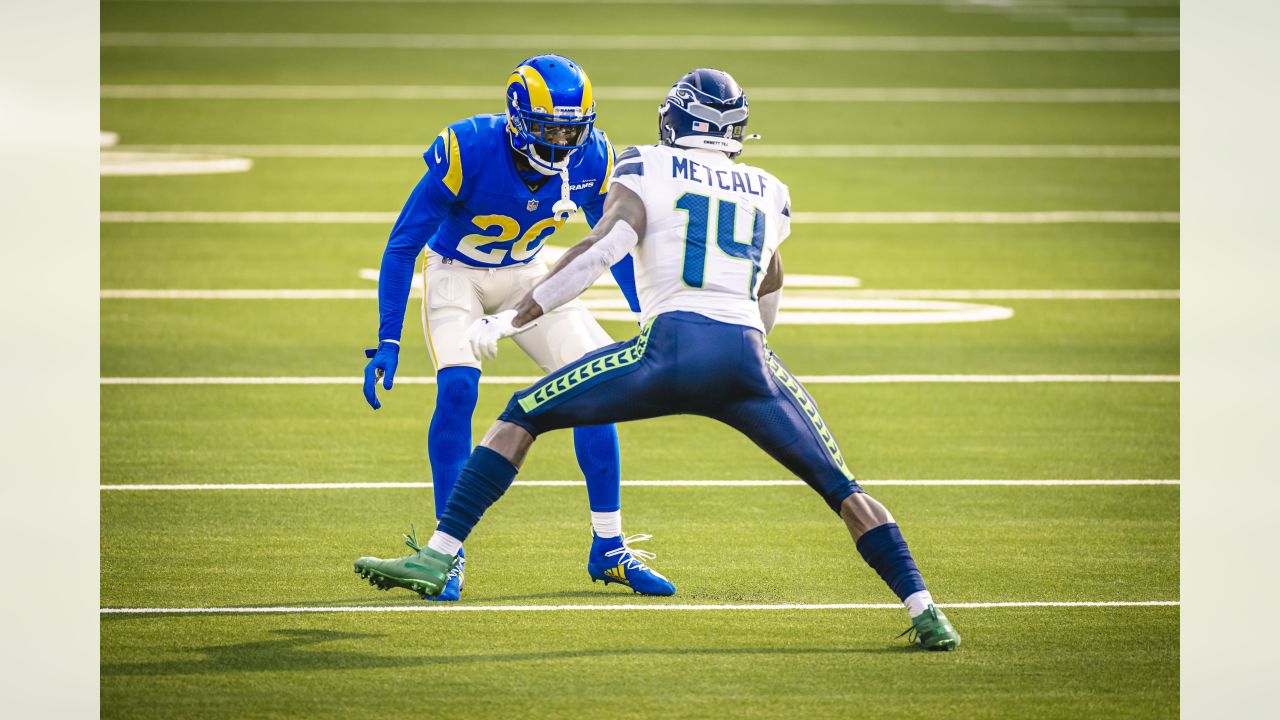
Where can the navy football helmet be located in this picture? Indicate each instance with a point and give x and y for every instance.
(704, 109)
(550, 111)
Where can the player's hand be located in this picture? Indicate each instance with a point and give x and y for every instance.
(382, 366)
(484, 334)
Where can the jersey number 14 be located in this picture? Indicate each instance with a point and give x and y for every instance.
(698, 208)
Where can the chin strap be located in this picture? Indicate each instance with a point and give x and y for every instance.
(564, 207)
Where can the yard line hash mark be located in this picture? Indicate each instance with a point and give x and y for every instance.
(585, 608)
(627, 483)
(645, 94)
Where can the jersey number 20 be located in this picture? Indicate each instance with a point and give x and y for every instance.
(698, 208)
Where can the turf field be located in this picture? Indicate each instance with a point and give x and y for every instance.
(983, 287)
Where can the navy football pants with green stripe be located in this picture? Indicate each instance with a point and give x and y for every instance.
(687, 364)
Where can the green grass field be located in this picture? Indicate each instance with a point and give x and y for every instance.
(294, 633)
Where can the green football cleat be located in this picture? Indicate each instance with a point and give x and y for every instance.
(932, 631)
(425, 572)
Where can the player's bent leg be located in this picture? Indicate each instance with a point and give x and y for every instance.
(785, 422)
(612, 384)
(485, 477)
(563, 336)
(450, 303)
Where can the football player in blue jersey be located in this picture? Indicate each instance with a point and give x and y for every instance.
(704, 232)
(496, 187)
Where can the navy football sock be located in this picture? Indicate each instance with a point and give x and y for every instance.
(886, 552)
(598, 457)
(449, 438)
(483, 480)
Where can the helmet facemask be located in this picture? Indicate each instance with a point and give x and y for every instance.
(550, 111)
(551, 144)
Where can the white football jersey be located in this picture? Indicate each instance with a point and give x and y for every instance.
(712, 226)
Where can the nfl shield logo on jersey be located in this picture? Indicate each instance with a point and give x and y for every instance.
(533, 205)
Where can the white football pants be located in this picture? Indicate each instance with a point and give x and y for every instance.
(456, 295)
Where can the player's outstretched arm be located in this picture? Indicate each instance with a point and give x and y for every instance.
(612, 238)
(770, 293)
(618, 231)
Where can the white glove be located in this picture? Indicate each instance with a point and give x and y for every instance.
(484, 334)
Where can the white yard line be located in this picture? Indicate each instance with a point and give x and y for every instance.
(644, 94)
(821, 218)
(529, 379)
(453, 607)
(628, 483)
(133, 163)
(637, 43)
(849, 297)
(250, 217)
(775, 151)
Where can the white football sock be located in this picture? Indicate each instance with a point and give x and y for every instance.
(918, 602)
(445, 543)
(607, 524)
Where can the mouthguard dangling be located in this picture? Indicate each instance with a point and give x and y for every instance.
(564, 207)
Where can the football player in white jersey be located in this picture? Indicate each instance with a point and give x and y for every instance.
(704, 232)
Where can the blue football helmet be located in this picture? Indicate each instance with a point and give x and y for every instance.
(704, 109)
(550, 111)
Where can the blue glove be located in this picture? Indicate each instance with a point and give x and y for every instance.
(382, 365)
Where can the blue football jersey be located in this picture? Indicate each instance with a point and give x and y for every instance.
(493, 219)
(472, 206)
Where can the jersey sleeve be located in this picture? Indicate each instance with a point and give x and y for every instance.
(784, 213)
(623, 271)
(628, 170)
(593, 210)
(421, 215)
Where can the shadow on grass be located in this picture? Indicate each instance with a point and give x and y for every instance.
(292, 650)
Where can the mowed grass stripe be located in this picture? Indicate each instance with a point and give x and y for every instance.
(790, 301)
(958, 4)
(822, 218)
(529, 379)
(215, 487)
(952, 257)
(256, 338)
(646, 94)
(782, 122)
(796, 151)
(273, 434)
(641, 43)
(1113, 663)
(1065, 544)
(224, 338)
(454, 607)
(349, 66)
(588, 19)
(869, 190)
